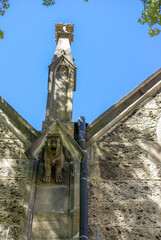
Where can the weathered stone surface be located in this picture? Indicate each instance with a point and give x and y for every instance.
(124, 172)
(50, 226)
(124, 190)
(11, 211)
(157, 98)
(6, 133)
(11, 149)
(131, 133)
(142, 116)
(124, 214)
(119, 233)
(52, 199)
(12, 188)
(150, 103)
(3, 231)
(13, 167)
(129, 170)
(93, 170)
(14, 171)
(103, 150)
(14, 233)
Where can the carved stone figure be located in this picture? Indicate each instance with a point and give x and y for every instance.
(53, 156)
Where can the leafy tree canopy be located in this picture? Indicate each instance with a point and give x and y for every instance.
(151, 14)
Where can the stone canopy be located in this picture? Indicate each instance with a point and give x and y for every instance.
(56, 127)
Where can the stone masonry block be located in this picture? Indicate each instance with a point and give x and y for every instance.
(93, 170)
(52, 199)
(119, 151)
(143, 116)
(130, 233)
(6, 133)
(50, 226)
(150, 103)
(124, 191)
(130, 170)
(11, 148)
(11, 211)
(13, 233)
(13, 167)
(130, 133)
(157, 98)
(124, 214)
(12, 188)
(3, 231)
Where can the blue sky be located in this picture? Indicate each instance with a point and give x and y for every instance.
(113, 54)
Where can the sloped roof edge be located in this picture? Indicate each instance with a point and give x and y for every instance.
(59, 58)
(16, 123)
(99, 123)
(68, 141)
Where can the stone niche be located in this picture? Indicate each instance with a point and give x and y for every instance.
(56, 208)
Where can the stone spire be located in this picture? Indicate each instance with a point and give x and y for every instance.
(62, 77)
(63, 37)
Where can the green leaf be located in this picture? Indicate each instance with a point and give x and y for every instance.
(48, 2)
(1, 34)
(151, 16)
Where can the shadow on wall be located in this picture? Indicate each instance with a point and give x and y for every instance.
(13, 175)
(60, 88)
(125, 192)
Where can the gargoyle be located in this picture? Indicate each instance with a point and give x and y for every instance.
(53, 156)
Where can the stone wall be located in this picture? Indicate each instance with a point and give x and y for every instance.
(14, 174)
(124, 173)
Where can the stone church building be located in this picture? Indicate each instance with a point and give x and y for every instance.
(73, 180)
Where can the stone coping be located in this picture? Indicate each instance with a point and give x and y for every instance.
(16, 123)
(120, 106)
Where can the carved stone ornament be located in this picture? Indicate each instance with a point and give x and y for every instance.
(53, 156)
(61, 28)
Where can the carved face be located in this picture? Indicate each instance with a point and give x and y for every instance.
(54, 144)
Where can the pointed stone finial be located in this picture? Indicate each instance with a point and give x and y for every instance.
(65, 30)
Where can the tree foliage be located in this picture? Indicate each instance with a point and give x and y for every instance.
(48, 2)
(4, 4)
(151, 15)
